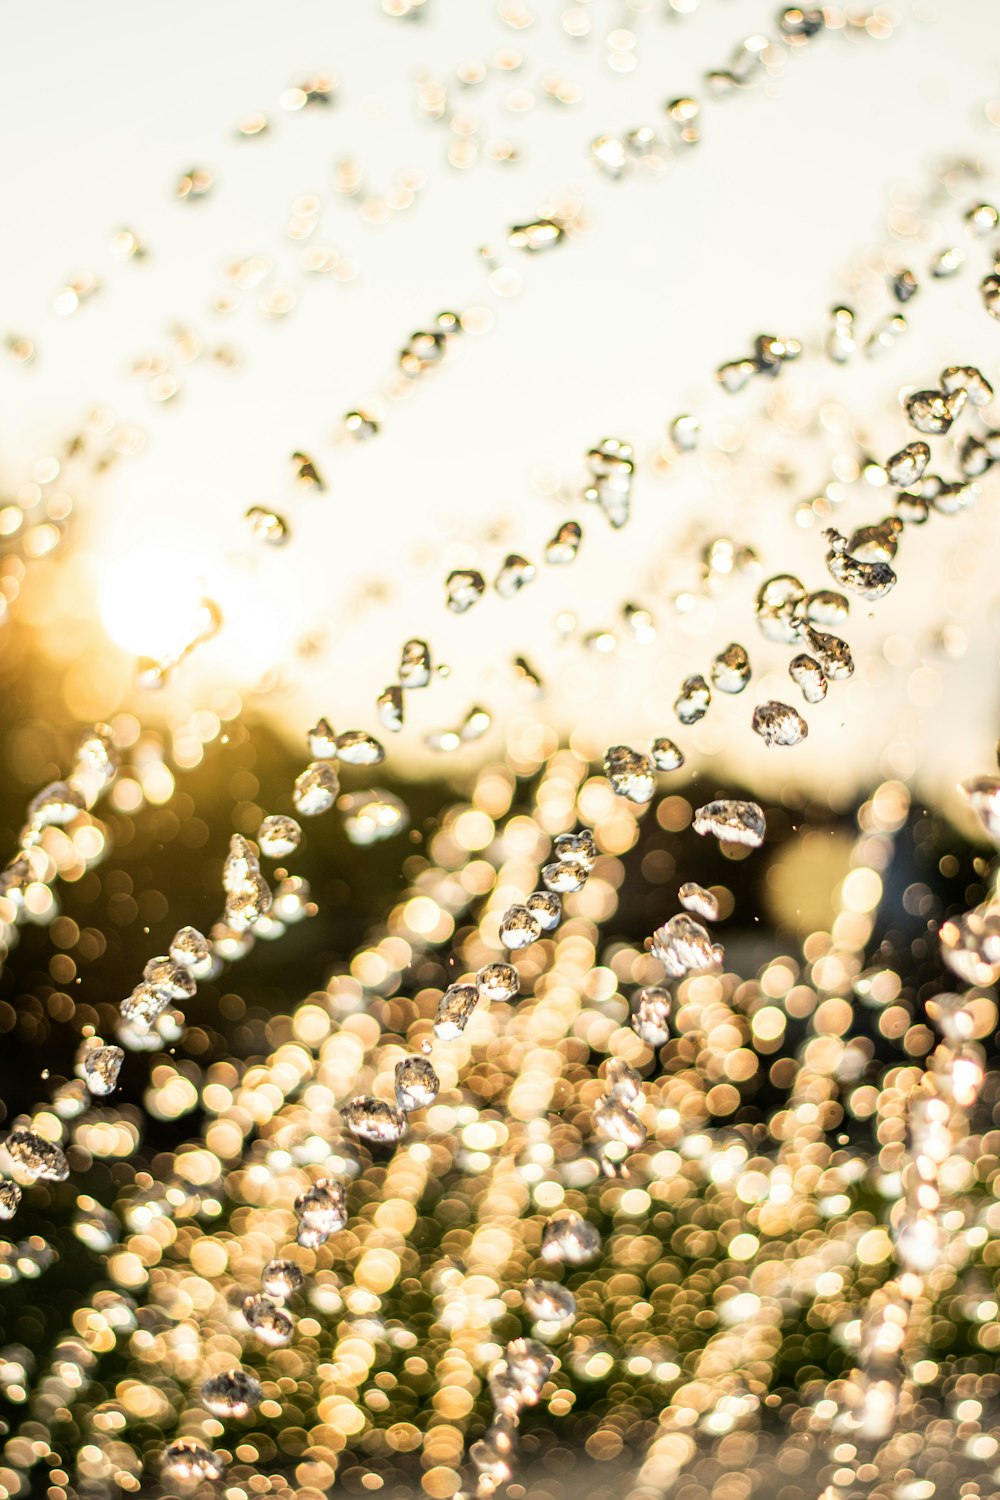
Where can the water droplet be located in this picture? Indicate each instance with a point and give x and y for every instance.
(322, 1208)
(10, 1198)
(546, 908)
(192, 951)
(570, 1239)
(322, 739)
(903, 285)
(983, 795)
(499, 981)
(691, 704)
(954, 497)
(278, 835)
(565, 876)
(869, 580)
(373, 815)
(281, 1278)
(316, 789)
(38, 1158)
(172, 980)
(465, 587)
(142, 1008)
(614, 1121)
(267, 526)
(970, 380)
(455, 1008)
(665, 755)
(58, 803)
(630, 773)
(580, 847)
(736, 374)
(272, 1324)
(696, 898)
(946, 262)
(519, 927)
(807, 674)
(989, 290)
(877, 543)
(826, 607)
(933, 412)
(833, 654)
(512, 577)
(732, 822)
(778, 601)
(623, 1081)
(415, 664)
(565, 544)
(684, 432)
(417, 1084)
(730, 671)
(608, 152)
(355, 747)
(541, 234)
(389, 707)
(234, 1393)
(683, 945)
(186, 1461)
(548, 1302)
(101, 1068)
(906, 467)
(779, 723)
(973, 456)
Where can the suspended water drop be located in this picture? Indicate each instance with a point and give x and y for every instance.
(373, 1119)
(142, 1008)
(623, 1082)
(683, 945)
(989, 290)
(39, 1159)
(97, 754)
(731, 822)
(569, 1238)
(565, 876)
(10, 1198)
(630, 774)
(241, 862)
(498, 981)
(983, 795)
(807, 674)
(465, 587)
(840, 341)
(249, 902)
(696, 898)
(355, 747)
(172, 980)
(389, 707)
(234, 1393)
(415, 664)
(519, 927)
(548, 1302)
(360, 426)
(736, 374)
(540, 234)
(417, 1084)
(974, 456)
(513, 575)
(322, 1208)
(186, 1461)
(373, 815)
(692, 703)
(57, 803)
(578, 847)
(315, 789)
(101, 1068)
(779, 724)
(323, 740)
(932, 411)
(684, 432)
(454, 1010)
(778, 601)
(905, 467)
(272, 1324)
(546, 908)
(192, 951)
(876, 543)
(278, 835)
(665, 755)
(565, 544)
(904, 285)
(970, 380)
(614, 1121)
(267, 526)
(608, 152)
(281, 1278)
(951, 498)
(833, 654)
(869, 580)
(730, 670)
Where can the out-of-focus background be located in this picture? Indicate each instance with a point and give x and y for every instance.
(226, 329)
